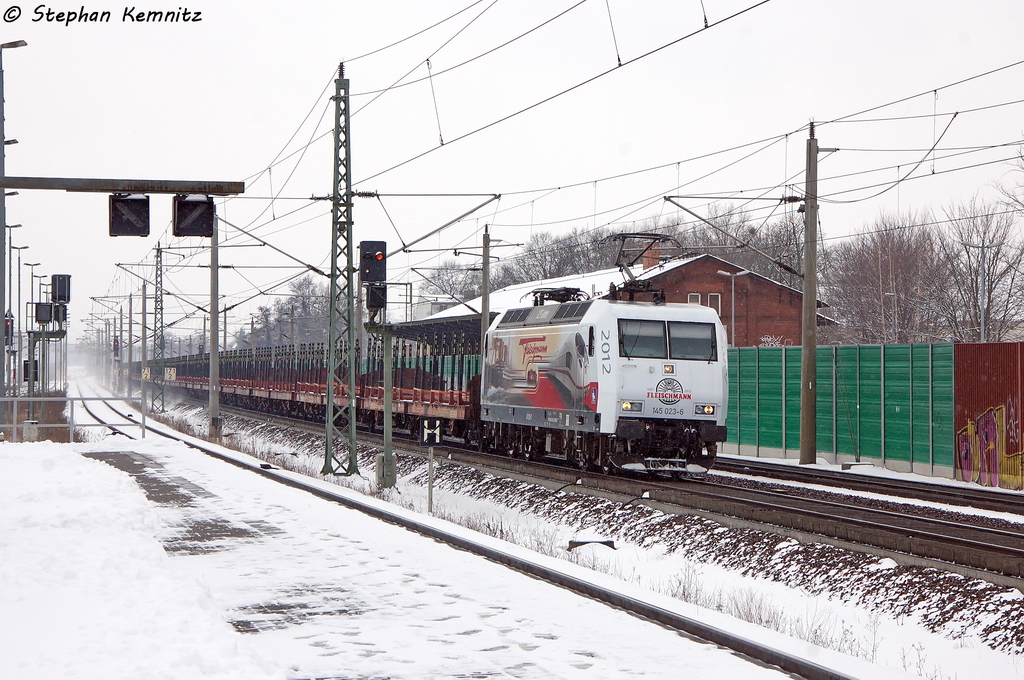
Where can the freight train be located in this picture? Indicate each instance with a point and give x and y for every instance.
(601, 384)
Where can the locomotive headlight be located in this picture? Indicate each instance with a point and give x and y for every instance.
(704, 409)
(632, 406)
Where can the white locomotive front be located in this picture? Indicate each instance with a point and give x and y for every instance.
(607, 383)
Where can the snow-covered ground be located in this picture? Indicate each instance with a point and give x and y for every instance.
(225, 574)
(926, 622)
(256, 580)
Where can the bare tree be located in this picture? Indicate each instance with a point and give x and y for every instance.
(302, 314)
(884, 285)
(452, 280)
(983, 257)
(547, 256)
(1014, 196)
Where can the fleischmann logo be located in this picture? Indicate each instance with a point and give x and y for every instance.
(668, 391)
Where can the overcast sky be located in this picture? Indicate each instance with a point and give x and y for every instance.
(546, 120)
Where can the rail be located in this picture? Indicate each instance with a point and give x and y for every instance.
(29, 429)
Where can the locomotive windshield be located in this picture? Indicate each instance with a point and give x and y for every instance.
(640, 339)
(692, 341)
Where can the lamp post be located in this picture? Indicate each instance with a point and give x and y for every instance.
(10, 240)
(32, 294)
(15, 351)
(32, 273)
(3, 195)
(732, 305)
(9, 314)
(29, 316)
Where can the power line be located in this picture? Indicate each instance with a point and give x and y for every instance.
(933, 115)
(909, 172)
(475, 58)
(414, 35)
(564, 92)
(931, 90)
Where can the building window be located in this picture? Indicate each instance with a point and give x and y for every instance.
(693, 298)
(715, 302)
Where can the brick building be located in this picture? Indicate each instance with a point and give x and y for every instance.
(767, 313)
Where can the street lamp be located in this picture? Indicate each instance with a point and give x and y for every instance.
(10, 240)
(40, 288)
(3, 195)
(732, 305)
(17, 345)
(32, 271)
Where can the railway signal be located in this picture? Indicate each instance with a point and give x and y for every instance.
(44, 313)
(373, 271)
(374, 261)
(193, 215)
(431, 435)
(60, 288)
(376, 296)
(129, 215)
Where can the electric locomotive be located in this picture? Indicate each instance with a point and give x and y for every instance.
(607, 384)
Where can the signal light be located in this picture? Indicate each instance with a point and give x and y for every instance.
(373, 261)
(9, 330)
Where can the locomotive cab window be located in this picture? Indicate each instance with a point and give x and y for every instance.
(642, 339)
(694, 341)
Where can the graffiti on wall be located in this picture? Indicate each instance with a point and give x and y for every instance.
(988, 449)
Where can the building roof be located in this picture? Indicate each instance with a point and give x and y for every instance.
(594, 284)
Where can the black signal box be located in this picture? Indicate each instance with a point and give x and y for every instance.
(194, 215)
(129, 215)
(373, 261)
(376, 296)
(60, 288)
(44, 312)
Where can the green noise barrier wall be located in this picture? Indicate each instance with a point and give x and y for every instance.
(890, 403)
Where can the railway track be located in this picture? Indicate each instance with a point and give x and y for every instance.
(997, 500)
(974, 546)
(794, 663)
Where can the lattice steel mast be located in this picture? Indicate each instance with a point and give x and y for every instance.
(341, 358)
(157, 396)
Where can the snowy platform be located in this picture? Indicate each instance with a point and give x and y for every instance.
(154, 560)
